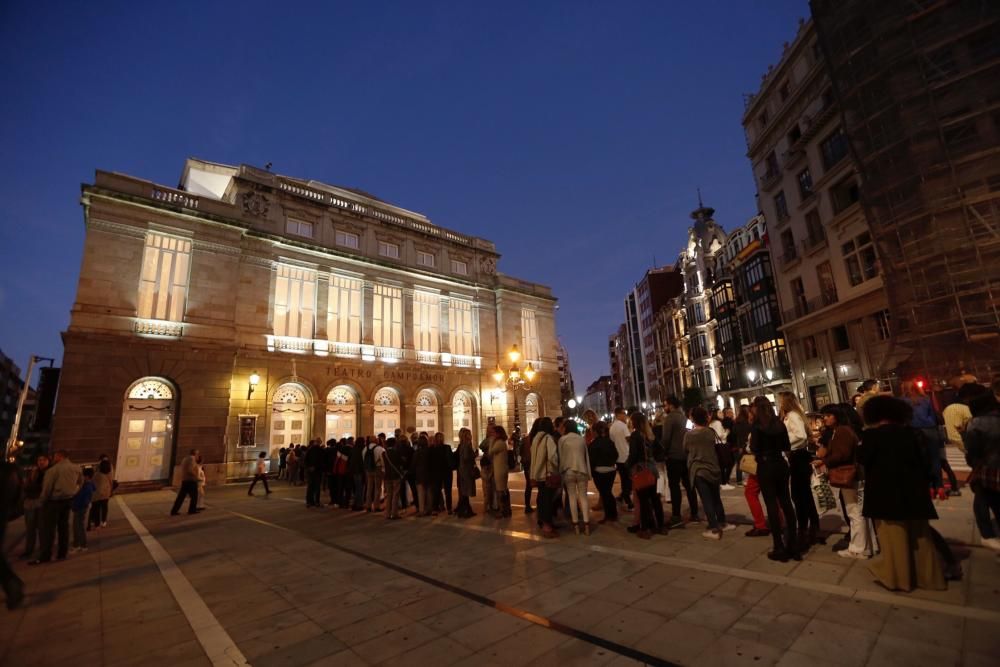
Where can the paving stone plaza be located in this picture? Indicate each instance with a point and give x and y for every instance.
(264, 581)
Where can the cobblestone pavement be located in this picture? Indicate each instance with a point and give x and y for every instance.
(265, 581)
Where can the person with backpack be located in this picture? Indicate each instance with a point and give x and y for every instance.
(373, 474)
(10, 494)
(392, 471)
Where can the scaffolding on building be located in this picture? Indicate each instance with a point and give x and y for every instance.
(918, 84)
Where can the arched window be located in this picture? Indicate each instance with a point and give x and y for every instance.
(461, 414)
(386, 409)
(290, 415)
(341, 413)
(427, 412)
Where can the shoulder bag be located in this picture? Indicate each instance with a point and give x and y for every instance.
(643, 478)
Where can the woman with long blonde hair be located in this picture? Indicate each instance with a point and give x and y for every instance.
(800, 469)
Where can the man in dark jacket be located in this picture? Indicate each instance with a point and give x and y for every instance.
(329, 462)
(674, 429)
(356, 467)
(33, 505)
(314, 473)
(408, 487)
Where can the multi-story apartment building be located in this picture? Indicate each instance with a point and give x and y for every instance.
(246, 311)
(697, 264)
(655, 290)
(11, 385)
(617, 353)
(826, 268)
(918, 88)
(566, 387)
(673, 348)
(597, 396)
(754, 358)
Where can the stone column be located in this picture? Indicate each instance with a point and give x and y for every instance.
(443, 329)
(445, 420)
(408, 319)
(367, 307)
(322, 301)
(408, 414)
(366, 419)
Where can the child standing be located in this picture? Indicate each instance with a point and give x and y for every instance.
(80, 507)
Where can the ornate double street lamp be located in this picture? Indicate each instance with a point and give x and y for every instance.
(515, 379)
(754, 377)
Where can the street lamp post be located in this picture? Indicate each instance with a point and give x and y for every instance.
(515, 379)
(759, 379)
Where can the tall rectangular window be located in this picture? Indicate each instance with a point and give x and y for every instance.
(834, 148)
(163, 281)
(426, 321)
(387, 316)
(859, 257)
(294, 302)
(781, 206)
(529, 335)
(343, 313)
(460, 327)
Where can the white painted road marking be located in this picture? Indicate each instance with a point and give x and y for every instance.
(215, 641)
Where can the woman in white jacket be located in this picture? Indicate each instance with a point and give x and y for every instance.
(574, 464)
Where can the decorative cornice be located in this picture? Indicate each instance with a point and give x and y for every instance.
(116, 228)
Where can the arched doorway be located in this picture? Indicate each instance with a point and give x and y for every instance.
(341, 413)
(386, 409)
(427, 412)
(289, 415)
(530, 410)
(461, 414)
(146, 441)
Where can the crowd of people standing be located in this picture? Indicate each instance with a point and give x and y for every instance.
(880, 459)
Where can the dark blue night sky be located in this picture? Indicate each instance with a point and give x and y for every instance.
(573, 134)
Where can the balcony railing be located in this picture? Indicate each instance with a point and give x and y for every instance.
(805, 307)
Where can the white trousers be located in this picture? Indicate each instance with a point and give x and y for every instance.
(860, 539)
(576, 487)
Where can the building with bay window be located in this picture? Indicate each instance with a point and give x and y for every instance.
(246, 311)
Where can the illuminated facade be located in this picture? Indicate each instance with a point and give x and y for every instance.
(353, 316)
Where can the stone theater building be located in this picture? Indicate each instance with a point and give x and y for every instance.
(245, 311)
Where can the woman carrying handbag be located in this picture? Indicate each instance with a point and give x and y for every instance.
(840, 457)
(642, 468)
(545, 473)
